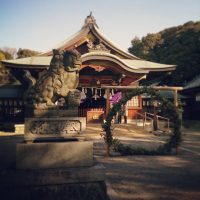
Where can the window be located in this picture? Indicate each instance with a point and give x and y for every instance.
(134, 102)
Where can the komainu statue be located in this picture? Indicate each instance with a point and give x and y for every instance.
(60, 80)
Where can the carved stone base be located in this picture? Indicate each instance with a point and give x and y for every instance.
(54, 127)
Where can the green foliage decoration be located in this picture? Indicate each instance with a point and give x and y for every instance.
(174, 140)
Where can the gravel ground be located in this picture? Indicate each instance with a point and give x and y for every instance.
(174, 177)
(153, 177)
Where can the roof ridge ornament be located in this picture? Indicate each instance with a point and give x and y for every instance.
(97, 47)
(89, 21)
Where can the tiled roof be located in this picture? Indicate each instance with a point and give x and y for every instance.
(129, 61)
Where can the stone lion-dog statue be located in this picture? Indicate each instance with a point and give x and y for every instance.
(59, 81)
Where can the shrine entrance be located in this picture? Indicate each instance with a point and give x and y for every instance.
(94, 98)
(93, 105)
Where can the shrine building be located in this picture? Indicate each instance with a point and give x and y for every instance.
(104, 67)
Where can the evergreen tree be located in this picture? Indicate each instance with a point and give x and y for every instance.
(23, 53)
(177, 45)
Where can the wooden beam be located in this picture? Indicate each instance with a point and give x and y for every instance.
(135, 87)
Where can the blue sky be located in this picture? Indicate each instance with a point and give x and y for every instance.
(41, 24)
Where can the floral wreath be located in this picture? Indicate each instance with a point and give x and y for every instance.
(172, 143)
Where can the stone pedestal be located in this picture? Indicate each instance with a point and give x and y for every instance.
(45, 155)
(80, 183)
(56, 112)
(54, 168)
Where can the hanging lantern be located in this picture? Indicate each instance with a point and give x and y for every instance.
(105, 96)
(91, 90)
(100, 92)
(111, 94)
(83, 95)
(95, 96)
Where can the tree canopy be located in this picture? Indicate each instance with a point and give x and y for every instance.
(5, 76)
(178, 45)
(23, 53)
(4, 55)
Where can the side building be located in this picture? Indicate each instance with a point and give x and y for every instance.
(192, 102)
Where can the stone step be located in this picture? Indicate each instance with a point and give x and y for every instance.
(19, 128)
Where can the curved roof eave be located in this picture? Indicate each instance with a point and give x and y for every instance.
(110, 57)
(136, 66)
(151, 66)
(35, 61)
(81, 34)
(168, 69)
(98, 33)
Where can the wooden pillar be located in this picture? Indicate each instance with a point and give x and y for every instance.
(175, 98)
(176, 105)
(155, 118)
(107, 91)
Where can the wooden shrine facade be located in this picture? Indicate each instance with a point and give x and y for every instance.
(104, 65)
